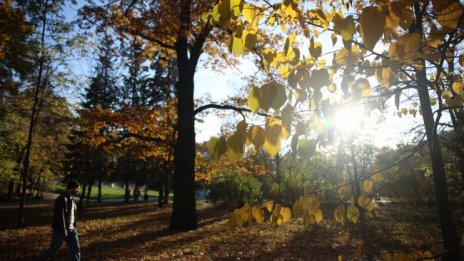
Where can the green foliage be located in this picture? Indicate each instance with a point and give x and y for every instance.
(235, 189)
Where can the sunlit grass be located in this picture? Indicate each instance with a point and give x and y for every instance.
(107, 191)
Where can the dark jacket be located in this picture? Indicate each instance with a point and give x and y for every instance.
(62, 213)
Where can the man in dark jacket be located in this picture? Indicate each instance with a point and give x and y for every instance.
(64, 225)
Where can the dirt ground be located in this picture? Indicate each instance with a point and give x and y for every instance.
(137, 231)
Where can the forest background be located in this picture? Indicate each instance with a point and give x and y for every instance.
(310, 121)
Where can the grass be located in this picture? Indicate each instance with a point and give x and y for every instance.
(107, 191)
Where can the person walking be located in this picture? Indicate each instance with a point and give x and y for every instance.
(64, 225)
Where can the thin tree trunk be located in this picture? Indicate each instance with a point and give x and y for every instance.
(161, 191)
(80, 205)
(89, 192)
(127, 191)
(10, 190)
(445, 215)
(32, 120)
(99, 187)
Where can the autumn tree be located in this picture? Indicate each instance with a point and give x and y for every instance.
(417, 36)
(48, 73)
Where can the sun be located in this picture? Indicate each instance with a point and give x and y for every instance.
(349, 118)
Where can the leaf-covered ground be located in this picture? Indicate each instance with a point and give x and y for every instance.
(137, 231)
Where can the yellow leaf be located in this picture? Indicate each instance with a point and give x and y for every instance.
(343, 192)
(224, 7)
(339, 215)
(303, 25)
(402, 257)
(372, 24)
(284, 71)
(450, 16)
(256, 136)
(315, 48)
(273, 95)
(235, 145)
(237, 46)
(361, 88)
(236, 7)
(344, 27)
(285, 215)
(319, 78)
(388, 77)
(345, 57)
(245, 215)
(297, 209)
(366, 203)
(433, 101)
(368, 186)
(258, 215)
(318, 216)
(458, 86)
(249, 13)
(250, 39)
(269, 205)
(461, 60)
(399, 13)
(254, 95)
(216, 147)
(406, 48)
(289, 51)
(272, 135)
(386, 256)
(353, 214)
(307, 148)
(334, 39)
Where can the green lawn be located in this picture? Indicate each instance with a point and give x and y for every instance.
(107, 192)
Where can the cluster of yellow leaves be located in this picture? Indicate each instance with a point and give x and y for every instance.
(402, 256)
(245, 215)
(104, 127)
(306, 208)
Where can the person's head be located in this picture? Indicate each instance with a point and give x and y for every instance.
(72, 187)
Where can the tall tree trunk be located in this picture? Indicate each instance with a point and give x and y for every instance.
(184, 216)
(80, 205)
(89, 192)
(166, 189)
(445, 215)
(10, 190)
(127, 191)
(161, 191)
(32, 119)
(99, 187)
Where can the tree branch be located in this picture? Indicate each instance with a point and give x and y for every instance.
(227, 107)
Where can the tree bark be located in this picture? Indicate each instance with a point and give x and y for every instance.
(99, 187)
(89, 191)
(184, 215)
(445, 215)
(126, 191)
(80, 205)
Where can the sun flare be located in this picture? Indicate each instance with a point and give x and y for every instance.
(349, 118)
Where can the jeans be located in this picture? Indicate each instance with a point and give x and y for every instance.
(72, 240)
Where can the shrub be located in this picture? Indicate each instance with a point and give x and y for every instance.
(235, 189)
